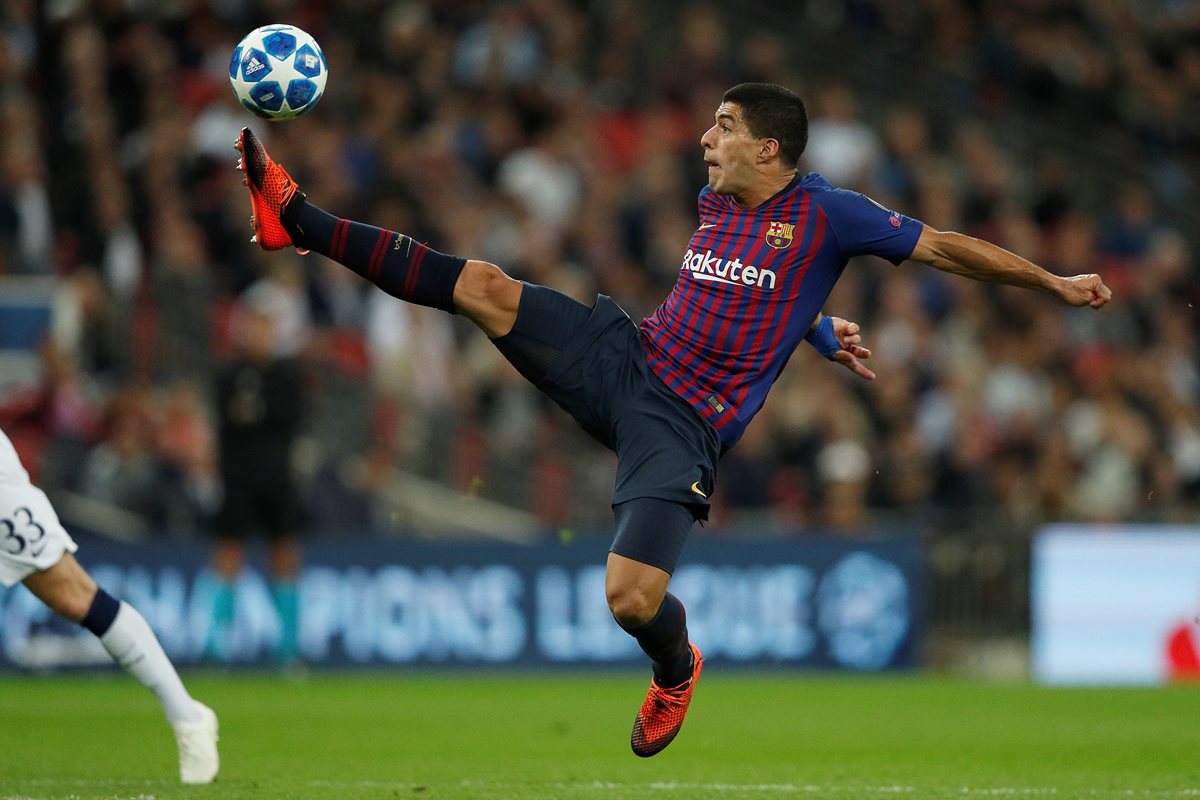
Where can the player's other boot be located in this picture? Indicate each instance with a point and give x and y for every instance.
(197, 740)
(271, 189)
(663, 712)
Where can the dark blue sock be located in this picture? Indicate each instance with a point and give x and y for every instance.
(665, 640)
(396, 263)
(102, 612)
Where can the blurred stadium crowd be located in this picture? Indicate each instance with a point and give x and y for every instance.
(560, 139)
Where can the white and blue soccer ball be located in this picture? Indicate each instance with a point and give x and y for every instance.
(278, 72)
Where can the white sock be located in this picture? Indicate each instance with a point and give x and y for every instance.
(133, 645)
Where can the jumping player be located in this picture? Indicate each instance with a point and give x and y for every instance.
(670, 395)
(36, 550)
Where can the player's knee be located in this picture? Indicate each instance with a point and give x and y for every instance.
(483, 286)
(71, 601)
(65, 588)
(632, 606)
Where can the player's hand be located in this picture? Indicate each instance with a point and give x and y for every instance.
(1084, 290)
(852, 353)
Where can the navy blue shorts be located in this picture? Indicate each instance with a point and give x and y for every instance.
(664, 448)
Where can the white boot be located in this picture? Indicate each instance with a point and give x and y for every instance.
(198, 760)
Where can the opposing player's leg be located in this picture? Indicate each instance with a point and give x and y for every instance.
(397, 264)
(72, 594)
(649, 539)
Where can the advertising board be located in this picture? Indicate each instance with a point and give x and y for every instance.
(810, 603)
(1115, 605)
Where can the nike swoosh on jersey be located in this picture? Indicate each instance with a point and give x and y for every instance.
(696, 489)
(707, 225)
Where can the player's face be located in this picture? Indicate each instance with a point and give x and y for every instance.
(730, 152)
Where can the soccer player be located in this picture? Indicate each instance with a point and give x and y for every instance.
(36, 550)
(670, 395)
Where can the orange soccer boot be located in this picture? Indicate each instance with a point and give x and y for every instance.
(663, 712)
(271, 189)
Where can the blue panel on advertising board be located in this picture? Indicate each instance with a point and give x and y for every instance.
(798, 603)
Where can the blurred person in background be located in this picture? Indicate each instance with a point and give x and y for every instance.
(669, 397)
(36, 550)
(122, 469)
(841, 146)
(260, 407)
(26, 223)
(56, 416)
(187, 453)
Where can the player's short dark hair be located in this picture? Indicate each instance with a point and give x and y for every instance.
(773, 112)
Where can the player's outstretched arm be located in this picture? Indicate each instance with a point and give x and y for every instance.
(983, 261)
(840, 340)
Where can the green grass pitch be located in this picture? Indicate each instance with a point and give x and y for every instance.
(470, 736)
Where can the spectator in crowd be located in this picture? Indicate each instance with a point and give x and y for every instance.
(187, 454)
(122, 469)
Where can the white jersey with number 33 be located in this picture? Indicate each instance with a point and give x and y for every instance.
(31, 537)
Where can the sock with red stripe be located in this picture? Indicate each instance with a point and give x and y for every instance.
(394, 262)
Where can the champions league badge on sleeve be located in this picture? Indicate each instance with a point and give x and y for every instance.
(863, 604)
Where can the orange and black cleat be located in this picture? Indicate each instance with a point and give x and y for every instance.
(662, 715)
(271, 189)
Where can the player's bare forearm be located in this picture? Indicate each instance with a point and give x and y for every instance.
(974, 258)
(980, 260)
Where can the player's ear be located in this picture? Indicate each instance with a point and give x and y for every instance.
(768, 150)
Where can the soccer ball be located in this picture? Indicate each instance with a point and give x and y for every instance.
(278, 72)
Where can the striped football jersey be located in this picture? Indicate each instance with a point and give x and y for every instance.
(751, 284)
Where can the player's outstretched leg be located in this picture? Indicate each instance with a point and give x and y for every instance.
(394, 262)
(130, 641)
(71, 593)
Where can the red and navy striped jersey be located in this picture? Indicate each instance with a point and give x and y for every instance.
(751, 284)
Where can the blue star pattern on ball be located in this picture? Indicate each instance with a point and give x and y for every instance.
(309, 62)
(255, 65)
(268, 95)
(280, 44)
(300, 93)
